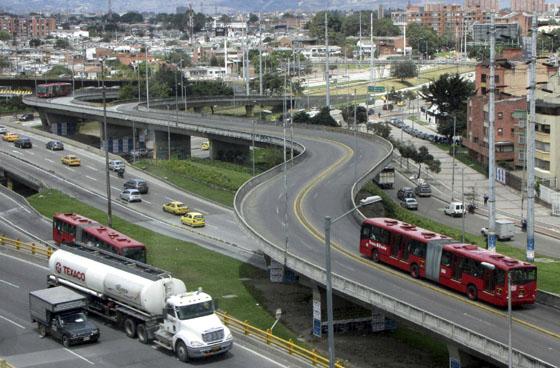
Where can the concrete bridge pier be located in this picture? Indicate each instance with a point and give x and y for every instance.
(460, 359)
(58, 124)
(180, 145)
(120, 138)
(249, 110)
(229, 151)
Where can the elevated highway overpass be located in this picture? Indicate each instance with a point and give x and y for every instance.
(323, 180)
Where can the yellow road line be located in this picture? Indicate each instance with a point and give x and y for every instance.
(297, 208)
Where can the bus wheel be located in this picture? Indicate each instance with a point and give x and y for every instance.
(130, 327)
(414, 271)
(375, 255)
(472, 294)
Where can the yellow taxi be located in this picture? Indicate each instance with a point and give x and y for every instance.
(10, 137)
(176, 208)
(205, 146)
(71, 160)
(193, 219)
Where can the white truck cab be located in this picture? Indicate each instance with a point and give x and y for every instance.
(191, 328)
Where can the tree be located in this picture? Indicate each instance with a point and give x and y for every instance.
(361, 114)
(225, 19)
(128, 91)
(423, 39)
(35, 42)
(61, 43)
(253, 18)
(175, 57)
(58, 70)
(422, 156)
(382, 129)
(5, 35)
(214, 61)
(450, 94)
(4, 62)
(405, 69)
(323, 118)
(132, 17)
(301, 117)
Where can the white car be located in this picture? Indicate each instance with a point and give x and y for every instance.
(116, 164)
(3, 130)
(455, 209)
(131, 195)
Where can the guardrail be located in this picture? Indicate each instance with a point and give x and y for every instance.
(288, 345)
(35, 249)
(5, 364)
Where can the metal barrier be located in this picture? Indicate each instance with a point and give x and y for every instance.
(288, 345)
(33, 248)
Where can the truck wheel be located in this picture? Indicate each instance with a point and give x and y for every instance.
(130, 327)
(142, 333)
(42, 330)
(182, 352)
(65, 341)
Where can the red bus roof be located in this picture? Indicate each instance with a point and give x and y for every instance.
(412, 231)
(484, 255)
(74, 219)
(53, 84)
(112, 237)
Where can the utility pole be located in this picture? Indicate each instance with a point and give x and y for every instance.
(491, 141)
(147, 79)
(453, 162)
(371, 76)
(260, 58)
(106, 144)
(285, 173)
(327, 51)
(246, 61)
(530, 253)
(360, 38)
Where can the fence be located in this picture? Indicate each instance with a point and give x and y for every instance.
(289, 346)
(31, 247)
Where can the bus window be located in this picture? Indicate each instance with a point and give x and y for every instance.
(137, 254)
(457, 265)
(520, 276)
(58, 225)
(366, 230)
(395, 247)
(406, 249)
(418, 249)
(446, 258)
(472, 267)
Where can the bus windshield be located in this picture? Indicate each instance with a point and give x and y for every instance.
(521, 276)
(195, 310)
(41, 89)
(138, 254)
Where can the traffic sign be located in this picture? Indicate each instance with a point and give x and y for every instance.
(376, 89)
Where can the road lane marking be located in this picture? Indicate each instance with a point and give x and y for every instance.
(261, 355)
(31, 153)
(93, 168)
(16, 202)
(143, 200)
(90, 178)
(18, 152)
(49, 160)
(12, 322)
(9, 284)
(115, 188)
(24, 261)
(69, 168)
(79, 356)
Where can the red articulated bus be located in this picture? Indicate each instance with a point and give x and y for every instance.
(477, 272)
(69, 228)
(49, 90)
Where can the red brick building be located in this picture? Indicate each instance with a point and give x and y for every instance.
(33, 27)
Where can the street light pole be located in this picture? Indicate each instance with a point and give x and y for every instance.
(463, 201)
(327, 67)
(510, 358)
(106, 144)
(328, 283)
(453, 165)
(147, 80)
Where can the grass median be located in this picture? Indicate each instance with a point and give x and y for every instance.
(548, 268)
(222, 277)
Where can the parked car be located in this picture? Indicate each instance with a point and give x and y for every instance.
(71, 160)
(23, 142)
(3, 130)
(405, 192)
(409, 203)
(26, 117)
(455, 209)
(116, 165)
(131, 195)
(10, 137)
(55, 146)
(193, 219)
(139, 184)
(423, 190)
(176, 208)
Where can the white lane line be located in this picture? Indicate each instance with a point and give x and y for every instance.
(12, 322)
(79, 356)
(9, 284)
(261, 355)
(145, 201)
(16, 202)
(91, 167)
(49, 160)
(31, 153)
(90, 178)
(115, 188)
(69, 168)
(18, 152)
(24, 261)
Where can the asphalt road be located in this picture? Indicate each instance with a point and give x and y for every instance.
(319, 186)
(21, 345)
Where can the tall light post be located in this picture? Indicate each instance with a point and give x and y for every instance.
(492, 141)
(463, 201)
(260, 58)
(327, 67)
(106, 144)
(328, 223)
(453, 164)
(147, 79)
(492, 267)
(530, 252)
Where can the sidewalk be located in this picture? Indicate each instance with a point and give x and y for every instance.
(508, 200)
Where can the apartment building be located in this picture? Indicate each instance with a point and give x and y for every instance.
(32, 27)
(528, 6)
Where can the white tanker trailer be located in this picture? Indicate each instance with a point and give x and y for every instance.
(147, 302)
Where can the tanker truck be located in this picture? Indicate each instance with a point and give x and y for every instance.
(145, 301)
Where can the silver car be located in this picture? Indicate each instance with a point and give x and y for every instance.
(116, 164)
(409, 203)
(131, 195)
